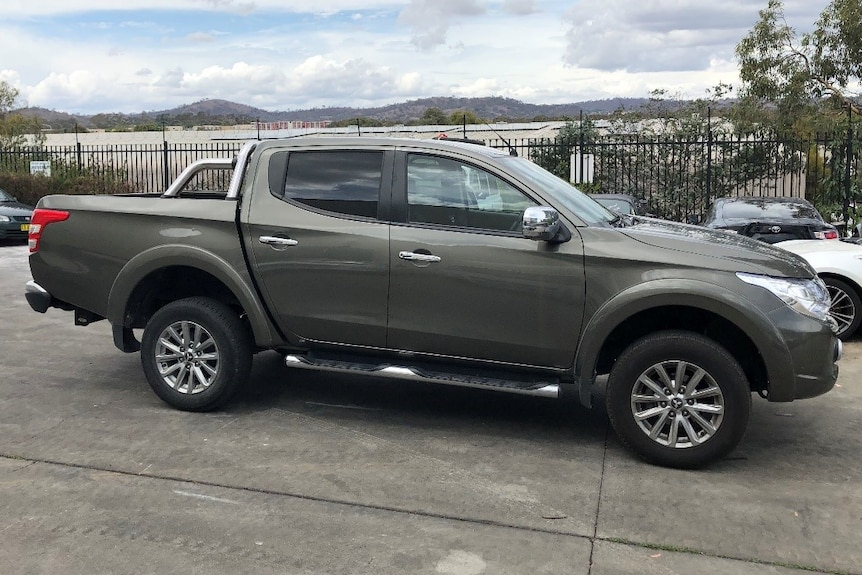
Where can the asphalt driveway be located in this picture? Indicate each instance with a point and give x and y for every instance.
(313, 473)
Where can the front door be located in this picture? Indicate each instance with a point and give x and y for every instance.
(465, 283)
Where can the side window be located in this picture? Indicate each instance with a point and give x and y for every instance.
(447, 192)
(343, 182)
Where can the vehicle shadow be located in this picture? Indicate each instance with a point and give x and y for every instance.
(360, 398)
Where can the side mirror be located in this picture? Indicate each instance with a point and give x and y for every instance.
(541, 224)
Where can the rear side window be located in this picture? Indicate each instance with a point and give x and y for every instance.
(342, 182)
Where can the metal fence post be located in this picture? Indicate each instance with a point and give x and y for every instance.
(167, 176)
(708, 157)
(847, 186)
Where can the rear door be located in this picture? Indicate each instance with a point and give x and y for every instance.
(319, 245)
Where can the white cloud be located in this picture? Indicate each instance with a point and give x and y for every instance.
(521, 7)
(431, 19)
(658, 35)
(100, 55)
(200, 37)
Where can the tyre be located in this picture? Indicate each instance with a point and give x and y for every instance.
(678, 399)
(845, 306)
(196, 353)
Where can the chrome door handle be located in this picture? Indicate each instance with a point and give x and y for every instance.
(414, 257)
(276, 241)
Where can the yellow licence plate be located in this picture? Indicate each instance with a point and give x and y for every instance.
(25, 227)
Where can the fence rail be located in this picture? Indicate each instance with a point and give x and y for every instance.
(677, 177)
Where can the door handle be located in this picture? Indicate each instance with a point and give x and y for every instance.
(414, 257)
(276, 241)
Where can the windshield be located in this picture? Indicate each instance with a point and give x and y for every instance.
(619, 206)
(4, 197)
(591, 212)
(769, 209)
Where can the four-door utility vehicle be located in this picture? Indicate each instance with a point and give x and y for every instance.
(443, 262)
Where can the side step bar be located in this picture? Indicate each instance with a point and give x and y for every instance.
(537, 388)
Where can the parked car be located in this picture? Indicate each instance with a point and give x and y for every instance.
(839, 265)
(14, 217)
(769, 219)
(621, 203)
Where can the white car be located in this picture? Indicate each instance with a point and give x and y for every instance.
(839, 264)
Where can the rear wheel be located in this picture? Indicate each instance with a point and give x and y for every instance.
(196, 353)
(678, 399)
(845, 306)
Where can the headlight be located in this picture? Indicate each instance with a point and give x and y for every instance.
(5, 219)
(807, 296)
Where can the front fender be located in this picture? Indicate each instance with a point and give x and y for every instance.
(169, 255)
(748, 315)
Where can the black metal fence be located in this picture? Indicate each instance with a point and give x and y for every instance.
(676, 177)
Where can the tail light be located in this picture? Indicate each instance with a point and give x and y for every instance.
(39, 220)
(826, 235)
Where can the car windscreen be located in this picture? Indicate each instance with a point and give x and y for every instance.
(588, 210)
(4, 197)
(619, 206)
(770, 210)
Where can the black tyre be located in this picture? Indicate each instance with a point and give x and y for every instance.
(845, 306)
(678, 399)
(196, 353)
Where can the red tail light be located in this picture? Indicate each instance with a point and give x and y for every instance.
(826, 235)
(39, 220)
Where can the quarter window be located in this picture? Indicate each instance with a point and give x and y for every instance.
(344, 182)
(447, 192)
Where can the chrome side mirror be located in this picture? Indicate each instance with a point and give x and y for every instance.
(541, 223)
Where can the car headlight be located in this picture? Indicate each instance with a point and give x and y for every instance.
(5, 219)
(806, 296)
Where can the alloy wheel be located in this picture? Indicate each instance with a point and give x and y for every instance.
(842, 309)
(187, 357)
(677, 404)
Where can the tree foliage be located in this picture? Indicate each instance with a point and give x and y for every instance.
(556, 155)
(465, 117)
(434, 116)
(15, 127)
(798, 72)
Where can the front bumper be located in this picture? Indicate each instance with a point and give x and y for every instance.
(14, 230)
(814, 352)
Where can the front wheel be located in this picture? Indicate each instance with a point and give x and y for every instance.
(678, 399)
(196, 353)
(845, 307)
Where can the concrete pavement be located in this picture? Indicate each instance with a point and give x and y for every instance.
(313, 473)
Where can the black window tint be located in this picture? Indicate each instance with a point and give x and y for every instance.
(336, 181)
(447, 192)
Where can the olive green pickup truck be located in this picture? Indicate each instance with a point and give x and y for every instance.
(443, 262)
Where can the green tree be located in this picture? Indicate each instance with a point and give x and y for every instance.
(810, 80)
(434, 116)
(464, 117)
(14, 126)
(797, 73)
(556, 155)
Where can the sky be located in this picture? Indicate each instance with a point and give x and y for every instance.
(103, 56)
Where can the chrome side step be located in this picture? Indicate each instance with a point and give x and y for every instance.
(537, 388)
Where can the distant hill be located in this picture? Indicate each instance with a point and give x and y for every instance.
(225, 112)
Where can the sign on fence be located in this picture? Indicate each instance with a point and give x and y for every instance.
(42, 168)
